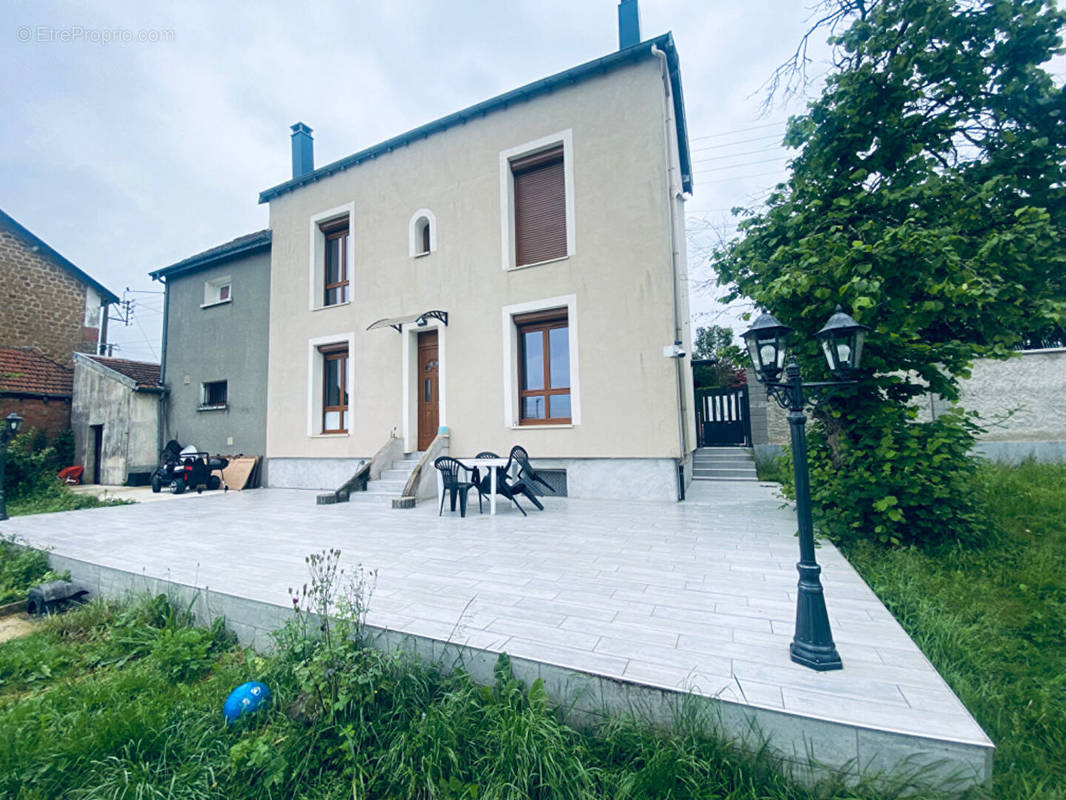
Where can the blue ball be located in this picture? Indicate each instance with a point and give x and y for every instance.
(245, 699)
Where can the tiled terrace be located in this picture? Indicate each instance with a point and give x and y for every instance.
(630, 603)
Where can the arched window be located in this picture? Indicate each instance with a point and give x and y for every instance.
(422, 237)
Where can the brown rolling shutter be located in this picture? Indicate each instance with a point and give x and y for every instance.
(539, 207)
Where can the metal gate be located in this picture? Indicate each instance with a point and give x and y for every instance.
(722, 416)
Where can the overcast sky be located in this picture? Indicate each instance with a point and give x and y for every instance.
(126, 156)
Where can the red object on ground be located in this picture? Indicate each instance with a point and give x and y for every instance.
(71, 475)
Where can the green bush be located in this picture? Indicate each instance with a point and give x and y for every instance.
(21, 568)
(892, 480)
(31, 465)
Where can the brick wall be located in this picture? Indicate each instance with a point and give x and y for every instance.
(41, 304)
(51, 416)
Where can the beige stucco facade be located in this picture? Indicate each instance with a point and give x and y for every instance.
(623, 282)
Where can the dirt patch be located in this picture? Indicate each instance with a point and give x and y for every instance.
(15, 626)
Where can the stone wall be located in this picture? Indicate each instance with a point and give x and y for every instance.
(769, 423)
(51, 415)
(1021, 401)
(41, 304)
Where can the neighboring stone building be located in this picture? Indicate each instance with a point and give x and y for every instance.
(115, 419)
(45, 301)
(216, 312)
(36, 388)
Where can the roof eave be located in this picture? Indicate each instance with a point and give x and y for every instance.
(195, 264)
(103, 291)
(641, 50)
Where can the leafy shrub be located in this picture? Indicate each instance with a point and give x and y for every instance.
(894, 481)
(63, 445)
(21, 568)
(31, 465)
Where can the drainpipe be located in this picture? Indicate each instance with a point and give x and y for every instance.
(675, 257)
(161, 415)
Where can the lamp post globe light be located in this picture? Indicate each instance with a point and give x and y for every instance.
(12, 423)
(842, 340)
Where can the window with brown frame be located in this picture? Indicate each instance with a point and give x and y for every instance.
(334, 389)
(544, 368)
(336, 261)
(539, 207)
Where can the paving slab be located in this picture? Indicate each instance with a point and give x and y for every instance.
(648, 601)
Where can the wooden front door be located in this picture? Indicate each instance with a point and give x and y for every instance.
(428, 388)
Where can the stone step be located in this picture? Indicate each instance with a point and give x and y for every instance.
(386, 487)
(725, 472)
(723, 460)
(723, 480)
(407, 464)
(372, 498)
(395, 475)
(702, 450)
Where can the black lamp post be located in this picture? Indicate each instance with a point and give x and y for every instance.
(12, 423)
(842, 339)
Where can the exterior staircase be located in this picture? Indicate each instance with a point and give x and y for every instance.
(390, 484)
(724, 464)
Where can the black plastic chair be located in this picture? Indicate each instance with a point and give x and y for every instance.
(454, 485)
(484, 484)
(526, 479)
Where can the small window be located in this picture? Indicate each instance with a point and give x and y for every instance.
(217, 291)
(336, 258)
(422, 233)
(422, 236)
(544, 368)
(214, 395)
(539, 207)
(334, 389)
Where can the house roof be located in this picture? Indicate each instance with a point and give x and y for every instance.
(248, 244)
(143, 374)
(26, 370)
(9, 223)
(568, 77)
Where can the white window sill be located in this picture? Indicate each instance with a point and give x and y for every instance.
(329, 435)
(541, 427)
(538, 263)
(216, 303)
(335, 305)
(220, 407)
(422, 255)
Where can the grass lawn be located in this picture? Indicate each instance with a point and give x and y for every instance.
(124, 702)
(53, 497)
(993, 621)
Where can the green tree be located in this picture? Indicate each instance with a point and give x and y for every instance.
(928, 198)
(715, 343)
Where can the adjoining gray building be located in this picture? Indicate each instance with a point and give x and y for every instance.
(115, 419)
(215, 328)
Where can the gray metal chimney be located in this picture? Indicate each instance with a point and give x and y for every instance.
(303, 150)
(628, 24)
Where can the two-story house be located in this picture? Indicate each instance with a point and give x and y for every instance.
(215, 311)
(513, 272)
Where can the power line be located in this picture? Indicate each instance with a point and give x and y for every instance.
(712, 170)
(742, 177)
(735, 155)
(738, 130)
(738, 142)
